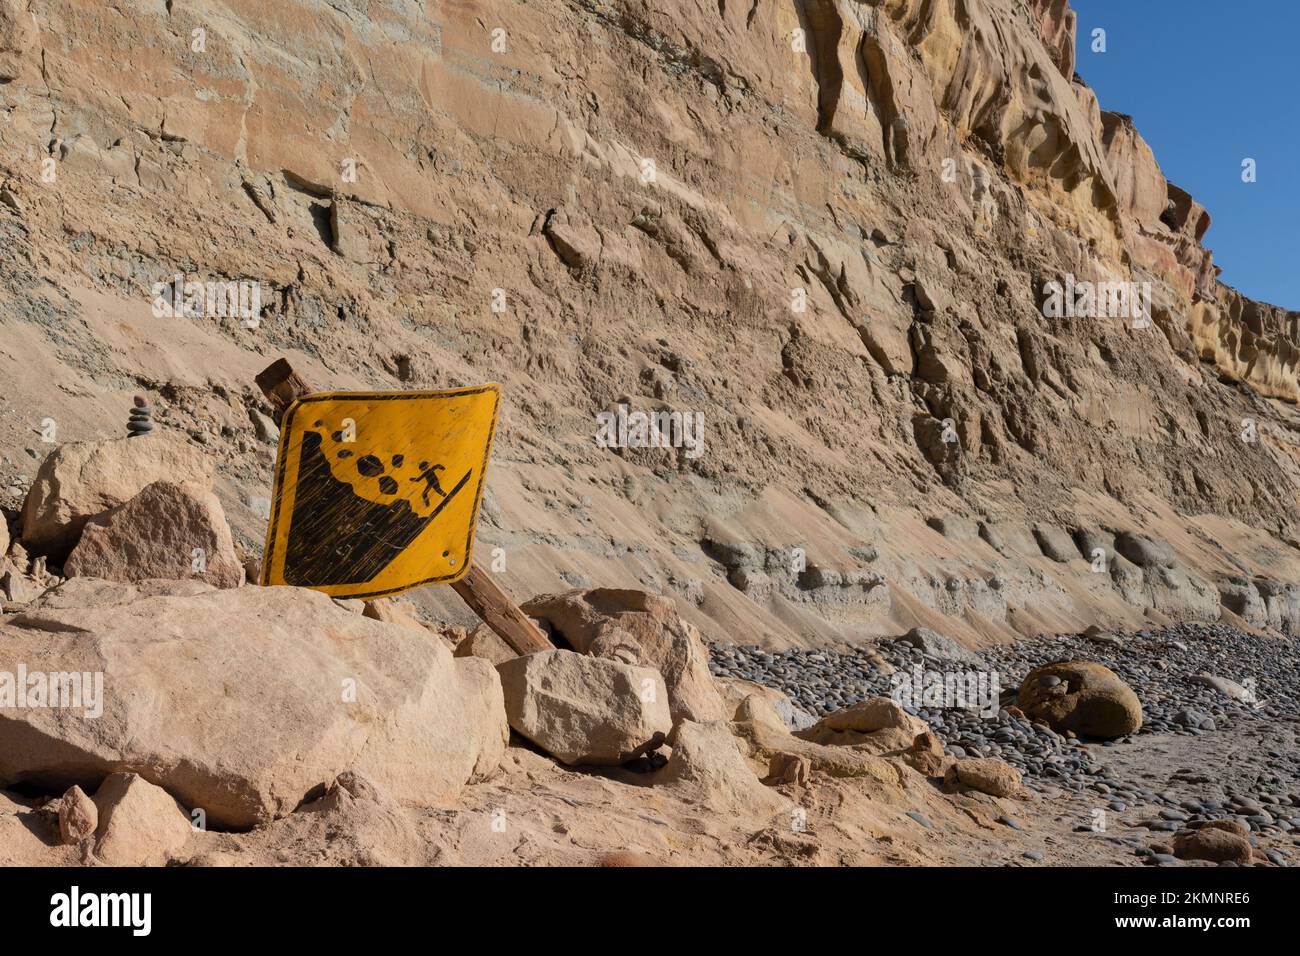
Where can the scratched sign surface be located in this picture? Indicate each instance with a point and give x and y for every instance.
(378, 492)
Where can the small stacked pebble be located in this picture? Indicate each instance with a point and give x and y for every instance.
(1157, 664)
(140, 422)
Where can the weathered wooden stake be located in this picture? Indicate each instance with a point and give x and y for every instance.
(282, 386)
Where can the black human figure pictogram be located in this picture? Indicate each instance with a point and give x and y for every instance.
(336, 536)
(430, 478)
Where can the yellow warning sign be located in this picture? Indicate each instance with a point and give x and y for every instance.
(378, 492)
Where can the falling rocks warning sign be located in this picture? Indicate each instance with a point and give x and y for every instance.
(378, 492)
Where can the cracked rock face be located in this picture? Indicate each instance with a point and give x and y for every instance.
(827, 228)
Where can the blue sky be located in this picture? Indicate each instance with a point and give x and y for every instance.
(1208, 84)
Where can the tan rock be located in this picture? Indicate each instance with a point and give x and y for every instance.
(1228, 826)
(765, 735)
(355, 823)
(78, 816)
(707, 763)
(1226, 687)
(878, 724)
(241, 702)
(613, 621)
(790, 768)
(486, 643)
(585, 710)
(15, 588)
(166, 531)
(139, 824)
(926, 755)
(393, 612)
(734, 691)
(25, 833)
(573, 238)
(758, 707)
(80, 480)
(987, 775)
(1087, 698)
(1214, 844)
(870, 715)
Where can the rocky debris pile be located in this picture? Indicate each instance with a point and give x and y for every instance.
(824, 681)
(361, 703)
(1164, 670)
(637, 627)
(241, 702)
(131, 822)
(120, 510)
(281, 711)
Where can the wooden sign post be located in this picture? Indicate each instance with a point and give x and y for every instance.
(282, 386)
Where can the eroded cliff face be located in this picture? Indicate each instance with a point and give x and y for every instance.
(826, 226)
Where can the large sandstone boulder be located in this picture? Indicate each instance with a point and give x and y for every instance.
(80, 480)
(1081, 696)
(139, 824)
(585, 710)
(166, 531)
(242, 702)
(641, 628)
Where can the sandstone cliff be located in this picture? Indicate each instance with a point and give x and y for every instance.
(827, 225)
